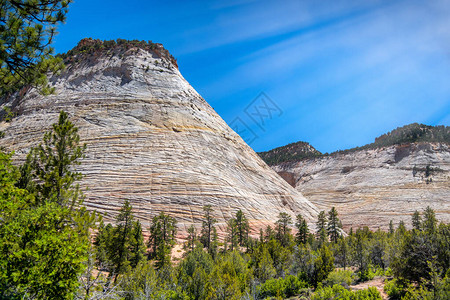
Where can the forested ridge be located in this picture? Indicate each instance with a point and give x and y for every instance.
(53, 248)
(412, 133)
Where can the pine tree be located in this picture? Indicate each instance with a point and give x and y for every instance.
(26, 32)
(391, 227)
(401, 227)
(343, 252)
(302, 230)
(43, 241)
(53, 162)
(120, 248)
(429, 220)
(242, 227)
(416, 221)
(137, 246)
(321, 222)
(102, 243)
(232, 231)
(162, 239)
(214, 245)
(269, 234)
(282, 230)
(207, 227)
(191, 239)
(334, 225)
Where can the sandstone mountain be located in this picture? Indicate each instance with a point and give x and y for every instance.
(405, 170)
(151, 139)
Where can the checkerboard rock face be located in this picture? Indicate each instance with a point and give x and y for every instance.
(152, 139)
(370, 187)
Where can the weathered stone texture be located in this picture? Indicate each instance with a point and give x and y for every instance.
(153, 140)
(371, 187)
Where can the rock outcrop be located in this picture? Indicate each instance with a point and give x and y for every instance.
(370, 187)
(151, 139)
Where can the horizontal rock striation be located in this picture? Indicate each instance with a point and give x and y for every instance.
(152, 139)
(373, 186)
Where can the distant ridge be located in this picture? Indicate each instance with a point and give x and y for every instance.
(291, 152)
(412, 133)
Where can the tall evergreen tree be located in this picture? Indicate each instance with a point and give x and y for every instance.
(334, 225)
(429, 220)
(401, 229)
(162, 238)
(242, 227)
(53, 162)
(214, 245)
(302, 230)
(191, 239)
(416, 221)
(232, 231)
(137, 245)
(269, 233)
(283, 230)
(391, 227)
(207, 227)
(321, 222)
(120, 248)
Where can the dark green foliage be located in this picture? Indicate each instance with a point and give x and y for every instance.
(208, 228)
(323, 265)
(334, 225)
(321, 222)
(50, 166)
(120, 248)
(137, 247)
(263, 264)
(283, 230)
(242, 228)
(162, 239)
(44, 238)
(391, 227)
(121, 242)
(292, 152)
(192, 239)
(269, 234)
(282, 287)
(232, 236)
(302, 230)
(416, 221)
(343, 253)
(27, 29)
(429, 220)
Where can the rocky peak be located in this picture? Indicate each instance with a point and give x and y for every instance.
(291, 152)
(151, 139)
(89, 47)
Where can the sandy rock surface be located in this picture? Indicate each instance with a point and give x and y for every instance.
(152, 139)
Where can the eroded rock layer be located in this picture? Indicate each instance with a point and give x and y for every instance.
(152, 139)
(372, 187)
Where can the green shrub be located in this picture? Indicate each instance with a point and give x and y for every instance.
(339, 292)
(342, 277)
(282, 287)
(370, 273)
(395, 288)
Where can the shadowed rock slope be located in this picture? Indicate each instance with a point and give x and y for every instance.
(405, 170)
(151, 139)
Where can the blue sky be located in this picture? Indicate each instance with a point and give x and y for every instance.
(339, 72)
